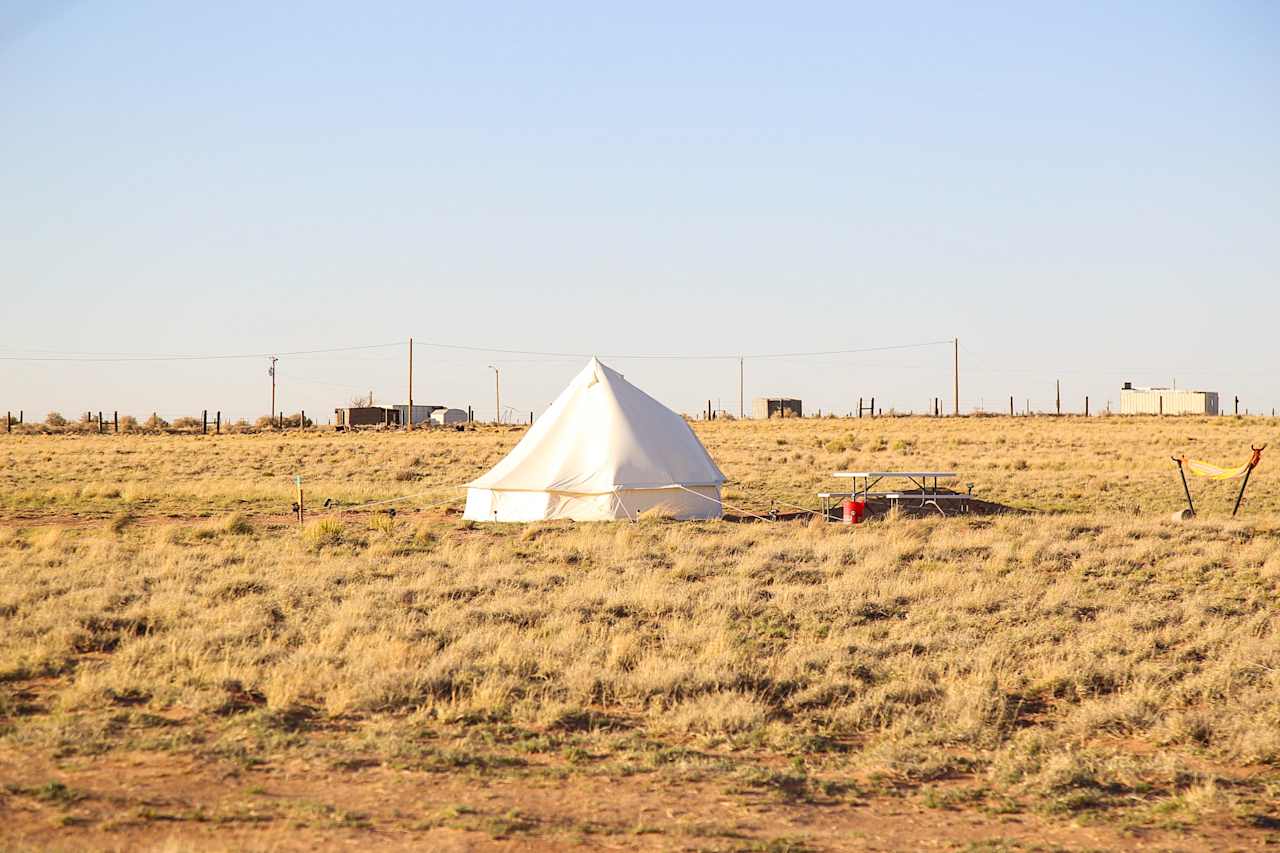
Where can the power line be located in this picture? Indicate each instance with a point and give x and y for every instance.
(84, 357)
(682, 356)
(60, 356)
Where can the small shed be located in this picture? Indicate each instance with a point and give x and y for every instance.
(354, 417)
(448, 417)
(421, 414)
(763, 408)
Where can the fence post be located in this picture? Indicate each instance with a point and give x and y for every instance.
(115, 421)
(217, 423)
(1237, 404)
(873, 407)
(204, 421)
(302, 418)
(99, 423)
(8, 422)
(1086, 407)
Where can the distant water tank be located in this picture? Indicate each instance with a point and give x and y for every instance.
(448, 417)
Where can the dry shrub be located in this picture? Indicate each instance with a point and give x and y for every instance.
(722, 713)
(121, 521)
(238, 525)
(383, 523)
(324, 533)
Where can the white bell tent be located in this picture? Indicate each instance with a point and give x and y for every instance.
(605, 450)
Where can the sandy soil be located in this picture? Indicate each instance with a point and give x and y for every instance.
(141, 801)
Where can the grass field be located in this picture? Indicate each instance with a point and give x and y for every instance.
(182, 666)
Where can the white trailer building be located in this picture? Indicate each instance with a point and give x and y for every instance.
(1166, 401)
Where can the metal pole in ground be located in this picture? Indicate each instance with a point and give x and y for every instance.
(957, 376)
(741, 403)
(1240, 496)
(1257, 457)
(1185, 488)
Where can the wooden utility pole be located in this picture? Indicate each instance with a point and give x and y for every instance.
(957, 376)
(272, 370)
(497, 395)
(742, 412)
(410, 418)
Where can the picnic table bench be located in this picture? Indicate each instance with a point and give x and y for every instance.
(927, 491)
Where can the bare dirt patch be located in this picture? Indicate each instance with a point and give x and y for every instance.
(134, 801)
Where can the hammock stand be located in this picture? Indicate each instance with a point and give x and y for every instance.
(1205, 470)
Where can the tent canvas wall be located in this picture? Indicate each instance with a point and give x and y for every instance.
(604, 450)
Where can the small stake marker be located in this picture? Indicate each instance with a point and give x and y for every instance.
(297, 481)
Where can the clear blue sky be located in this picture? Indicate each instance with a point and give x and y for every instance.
(1088, 192)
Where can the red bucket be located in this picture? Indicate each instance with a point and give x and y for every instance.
(853, 510)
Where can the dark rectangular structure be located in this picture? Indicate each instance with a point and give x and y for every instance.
(354, 417)
(763, 408)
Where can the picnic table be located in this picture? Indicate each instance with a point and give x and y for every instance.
(927, 492)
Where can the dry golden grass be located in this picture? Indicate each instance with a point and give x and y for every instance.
(1087, 658)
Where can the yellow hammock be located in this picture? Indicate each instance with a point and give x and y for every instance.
(1214, 472)
(1210, 471)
